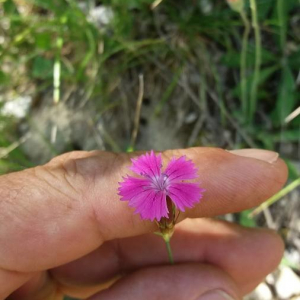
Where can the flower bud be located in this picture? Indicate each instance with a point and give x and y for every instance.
(236, 5)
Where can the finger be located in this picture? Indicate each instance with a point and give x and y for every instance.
(40, 286)
(56, 213)
(247, 255)
(186, 281)
(10, 280)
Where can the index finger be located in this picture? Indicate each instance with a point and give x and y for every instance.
(56, 213)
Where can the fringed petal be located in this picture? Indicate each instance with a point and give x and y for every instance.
(148, 165)
(185, 194)
(181, 169)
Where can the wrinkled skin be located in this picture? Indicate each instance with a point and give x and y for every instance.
(64, 231)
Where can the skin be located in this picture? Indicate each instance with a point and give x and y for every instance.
(64, 231)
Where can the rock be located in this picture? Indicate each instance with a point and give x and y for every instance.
(57, 129)
(17, 107)
(262, 292)
(287, 284)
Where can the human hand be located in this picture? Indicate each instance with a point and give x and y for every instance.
(63, 230)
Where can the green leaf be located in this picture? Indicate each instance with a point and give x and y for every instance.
(133, 3)
(269, 139)
(43, 40)
(266, 139)
(293, 171)
(7, 166)
(57, 6)
(4, 78)
(91, 51)
(42, 68)
(9, 7)
(294, 60)
(246, 220)
(292, 135)
(264, 7)
(286, 98)
(264, 75)
(233, 58)
(168, 92)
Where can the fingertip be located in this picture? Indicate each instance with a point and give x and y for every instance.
(185, 281)
(282, 170)
(236, 182)
(273, 245)
(260, 154)
(269, 159)
(268, 248)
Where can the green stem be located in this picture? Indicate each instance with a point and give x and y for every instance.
(282, 23)
(57, 71)
(276, 197)
(170, 254)
(254, 87)
(244, 61)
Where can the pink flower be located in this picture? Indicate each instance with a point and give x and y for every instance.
(148, 194)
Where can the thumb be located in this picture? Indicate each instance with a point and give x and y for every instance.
(185, 281)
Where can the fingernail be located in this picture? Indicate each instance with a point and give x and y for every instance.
(215, 295)
(264, 155)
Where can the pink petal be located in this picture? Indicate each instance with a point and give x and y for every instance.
(148, 202)
(181, 169)
(132, 186)
(148, 165)
(150, 205)
(184, 194)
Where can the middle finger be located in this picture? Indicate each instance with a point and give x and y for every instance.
(241, 252)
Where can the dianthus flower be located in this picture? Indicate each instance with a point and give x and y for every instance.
(150, 192)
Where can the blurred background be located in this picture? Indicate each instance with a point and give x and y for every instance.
(142, 74)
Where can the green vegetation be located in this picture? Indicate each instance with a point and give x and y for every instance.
(235, 66)
(247, 63)
(246, 59)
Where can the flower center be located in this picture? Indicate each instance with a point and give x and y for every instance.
(160, 183)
